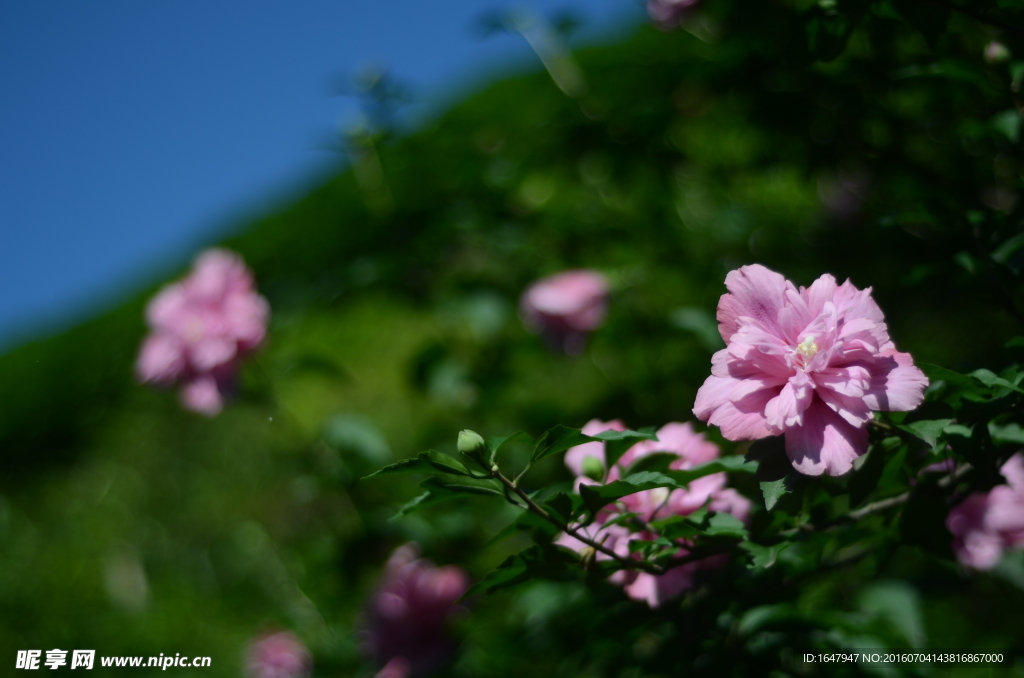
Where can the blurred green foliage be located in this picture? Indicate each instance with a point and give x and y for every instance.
(869, 139)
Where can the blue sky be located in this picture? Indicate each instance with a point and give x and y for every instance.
(135, 132)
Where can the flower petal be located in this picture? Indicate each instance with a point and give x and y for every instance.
(754, 291)
(896, 384)
(825, 443)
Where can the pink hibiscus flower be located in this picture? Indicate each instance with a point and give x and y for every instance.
(566, 307)
(199, 329)
(988, 523)
(279, 655)
(406, 625)
(808, 363)
(692, 449)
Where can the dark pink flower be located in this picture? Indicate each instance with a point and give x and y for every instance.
(810, 363)
(566, 307)
(280, 655)
(199, 329)
(692, 449)
(987, 523)
(406, 626)
(667, 14)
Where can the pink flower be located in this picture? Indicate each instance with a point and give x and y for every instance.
(566, 307)
(280, 655)
(692, 449)
(200, 327)
(810, 363)
(406, 622)
(987, 523)
(667, 14)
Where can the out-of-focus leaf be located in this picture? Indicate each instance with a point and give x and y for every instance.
(353, 432)
(444, 487)
(927, 430)
(1007, 433)
(537, 562)
(429, 462)
(701, 324)
(897, 603)
(725, 525)
(989, 378)
(762, 556)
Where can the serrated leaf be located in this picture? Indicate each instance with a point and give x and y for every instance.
(762, 556)
(773, 490)
(927, 430)
(723, 524)
(429, 462)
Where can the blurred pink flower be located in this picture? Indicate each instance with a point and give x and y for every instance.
(280, 655)
(692, 449)
(667, 14)
(407, 619)
(566, 307)
(199, 329)
(810, 363)
(987, 523)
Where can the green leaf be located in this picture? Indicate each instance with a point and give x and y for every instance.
(536, 562)
(1016, 342)
(701, 324)
(558, 439)
(1007, 433)
(927, 430)
(773, 490)
(658, 461)
(494, 443)
(444, 487)
(596, 497)
(989, 378)
(725, 525)
(897, 603)
(762, 556)
(429, 462)
(617, 442)
(731, 464)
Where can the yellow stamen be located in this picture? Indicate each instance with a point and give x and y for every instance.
(807, 348)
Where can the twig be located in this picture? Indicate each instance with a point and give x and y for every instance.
(531, 505)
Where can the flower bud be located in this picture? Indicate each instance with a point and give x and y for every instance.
(471, 443)
(593, 468)
(996, 52)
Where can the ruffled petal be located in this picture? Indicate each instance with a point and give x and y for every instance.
(896, 384)
(755, 292)
(825, 443)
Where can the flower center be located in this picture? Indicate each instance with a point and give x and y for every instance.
(807, 348)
